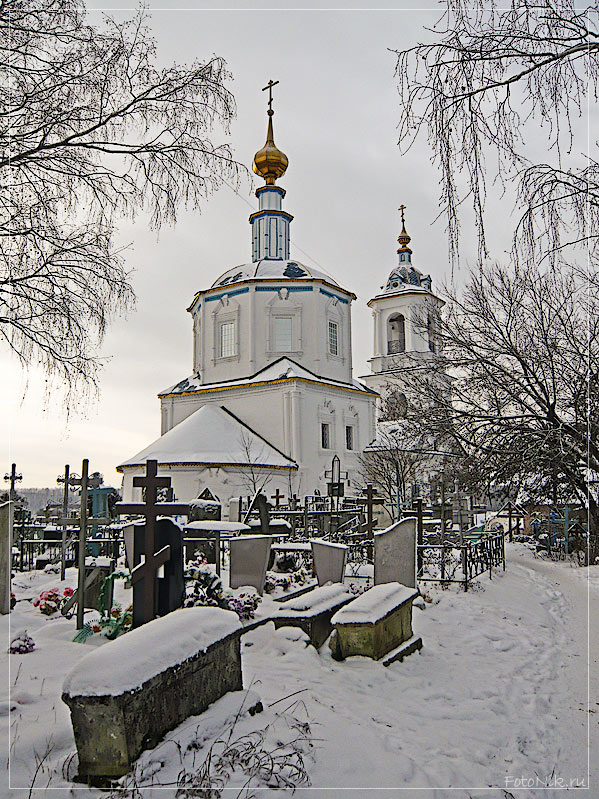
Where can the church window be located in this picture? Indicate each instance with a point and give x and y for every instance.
(227, 339)
(430, 326)
(396, 334)
(349, 436)
(325, 435)
(283, 333)
(333, 338)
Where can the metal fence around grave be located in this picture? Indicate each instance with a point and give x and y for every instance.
(450, 562)
(35, 550)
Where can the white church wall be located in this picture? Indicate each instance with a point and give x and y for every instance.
(252, 308)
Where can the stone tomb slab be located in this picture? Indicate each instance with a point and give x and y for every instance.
(126, 695)
(395, 554)
(376, 623)
(312, 611)
(249, 555)
(329, 561)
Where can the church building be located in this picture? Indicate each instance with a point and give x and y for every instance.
(271, 398)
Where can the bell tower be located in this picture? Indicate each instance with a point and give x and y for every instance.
(406, 317)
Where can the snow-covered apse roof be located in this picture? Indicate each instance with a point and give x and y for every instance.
(211, 435)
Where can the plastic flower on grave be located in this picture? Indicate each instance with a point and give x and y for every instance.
(96, 628)
(36, 602)
(116, 612)
(22, 644)
(68, 592)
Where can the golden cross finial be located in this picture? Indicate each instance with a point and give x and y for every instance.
(402, 208)
(269, 86)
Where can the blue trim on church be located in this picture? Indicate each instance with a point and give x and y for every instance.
(214, 297)
(278, 288)
(328, 294)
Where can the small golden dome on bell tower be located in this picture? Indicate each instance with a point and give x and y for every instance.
(270, 162)
(403, 237)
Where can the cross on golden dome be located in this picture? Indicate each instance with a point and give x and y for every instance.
(270, 162)
(403, 237)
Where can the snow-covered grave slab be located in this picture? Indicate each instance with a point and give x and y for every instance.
(377, 624)
(248, 562)
(312, 611)
(329, 561)
(126, 695)
(395, 554)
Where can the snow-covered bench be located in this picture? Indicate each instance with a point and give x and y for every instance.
(377, 624)
(127, 694)
(313, 611)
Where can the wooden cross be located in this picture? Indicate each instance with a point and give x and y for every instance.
(14, 478)
(84, 482)
(370, 496)
(151, 509)
(269, 86)
(277, 496)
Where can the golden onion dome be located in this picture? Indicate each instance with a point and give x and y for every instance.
(270, 162)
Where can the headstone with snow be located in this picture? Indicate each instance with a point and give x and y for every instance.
(126, 695)
(313, 610)
(204, 509)
(329, 561)
(395, 554)
(145, 571)
(249, 556)
(96, 572)
(235, 509)
(170, 581)
(377, 624)
(6, 515)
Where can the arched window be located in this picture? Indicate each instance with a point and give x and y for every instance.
(396, 334)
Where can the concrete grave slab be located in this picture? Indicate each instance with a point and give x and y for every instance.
(126, 695)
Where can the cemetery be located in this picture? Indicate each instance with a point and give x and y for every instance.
(184, 616)
(347, 538)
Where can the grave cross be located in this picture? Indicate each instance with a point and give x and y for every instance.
(151, 509)
(277, 496)
(84, 482)
(371, 498)
(13, 477)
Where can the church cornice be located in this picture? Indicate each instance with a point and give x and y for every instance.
(256, 384)
(403, 293)
(276, 281)
(209, 465)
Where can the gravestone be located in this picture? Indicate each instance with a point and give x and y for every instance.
(154, 558)
(170, 582)
(235, 509)
(96, 571)
(201, 510)
(395, 554)
(6, 517)
(329, 561)
(249, 556)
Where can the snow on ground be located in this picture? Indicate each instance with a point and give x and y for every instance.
(498, 693)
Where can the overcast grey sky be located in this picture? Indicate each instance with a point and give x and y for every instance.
(336, 115)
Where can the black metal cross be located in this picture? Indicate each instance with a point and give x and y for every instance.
(277, 496)
(269, 86)
(151, 509)
(14, 478)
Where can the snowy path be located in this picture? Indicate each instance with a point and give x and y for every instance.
(499, 691)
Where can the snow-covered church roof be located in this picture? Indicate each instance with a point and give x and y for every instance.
(266, 269)
(211, 435)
